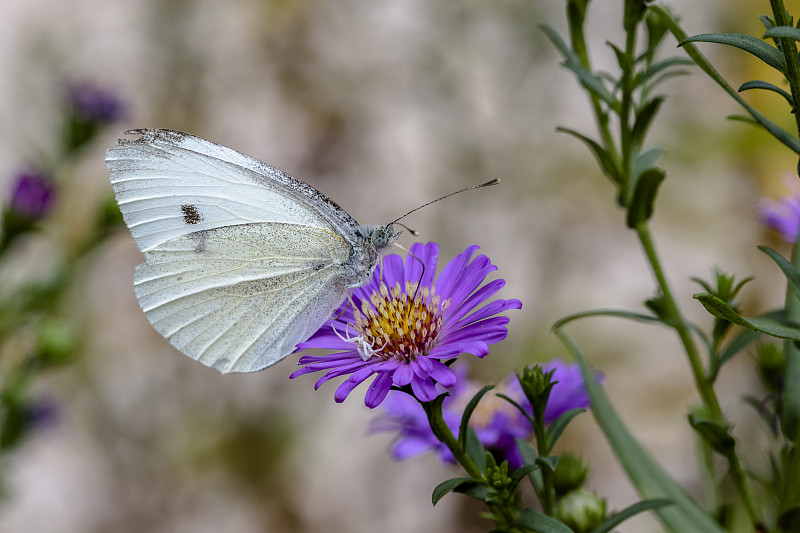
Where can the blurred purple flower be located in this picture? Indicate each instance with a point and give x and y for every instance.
(32, 194)
(496, 422)
(92, 103)
(782, 215)
(41, 413)
(401, 332)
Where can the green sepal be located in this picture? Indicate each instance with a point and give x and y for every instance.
(448, 486)
(630, 511)
(758, 84)
(644, 196)
(468, 410)
(715, 434)
(782, 329)
(762, 50)
(540, 523)
(557, 427)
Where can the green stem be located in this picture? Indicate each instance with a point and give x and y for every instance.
(625, 117)
(709, 397)
(578, 42)
(543, 447)
(442, 432)
(677, 321)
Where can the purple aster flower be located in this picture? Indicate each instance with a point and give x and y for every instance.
(782, 215)
(496, 422)
(406, 322)
(32, 194)
(92, 103)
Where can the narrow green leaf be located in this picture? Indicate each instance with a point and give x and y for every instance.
(776, 131)
(448, 486)
(739, 343)
(646, 159)
(715, 434)
(540, 523)
(609, 165)
(644, 196)
(762, 50)
(758, 84)
(557, 41)
(782, 329)
(594, 84)
(766, 21)
(777, 32)
(557, 427)
(650, 480)
(473, 403)
(643, 119)
(659, 66)
(632, 510)
(520, 473)
(476, 490)
(475, 450)
(789, 270)
(529, 456)
(548, 462)
(619, 313)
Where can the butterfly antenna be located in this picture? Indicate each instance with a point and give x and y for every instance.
(421, 262)
(487, 184)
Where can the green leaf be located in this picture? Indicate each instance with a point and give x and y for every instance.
(473, 403)
(448, 486)
(540, 523)
(557, 427)
(557, 41)
(644, 196)
(475, 450)
(739, 343)
(529, 456)
(647, 159)
(758, 84)
(714, 434)
(650, 480)
(632, 510)
(520, 473)
(762, 50)
(665, 64)
(643, 119)
(789, 270)
(777, 32)
(548, 462)
(619, 313)
(782, 329)
(776, 131)
(608, 164)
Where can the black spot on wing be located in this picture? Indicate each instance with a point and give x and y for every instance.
(190, 214)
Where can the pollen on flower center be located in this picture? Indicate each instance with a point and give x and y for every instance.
(397, 325)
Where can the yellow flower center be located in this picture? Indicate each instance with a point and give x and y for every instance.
(398, 325)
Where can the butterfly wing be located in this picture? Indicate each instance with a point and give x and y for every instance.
(242, 261)
(168, 184)
(240, 298)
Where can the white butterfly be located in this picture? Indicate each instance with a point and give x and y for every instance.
(242, 261)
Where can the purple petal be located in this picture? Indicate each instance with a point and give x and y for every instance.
(378, 390)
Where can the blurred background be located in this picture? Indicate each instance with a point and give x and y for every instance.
(382, 106)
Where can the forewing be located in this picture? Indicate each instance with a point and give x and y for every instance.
(169, 184)
(240, 298)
